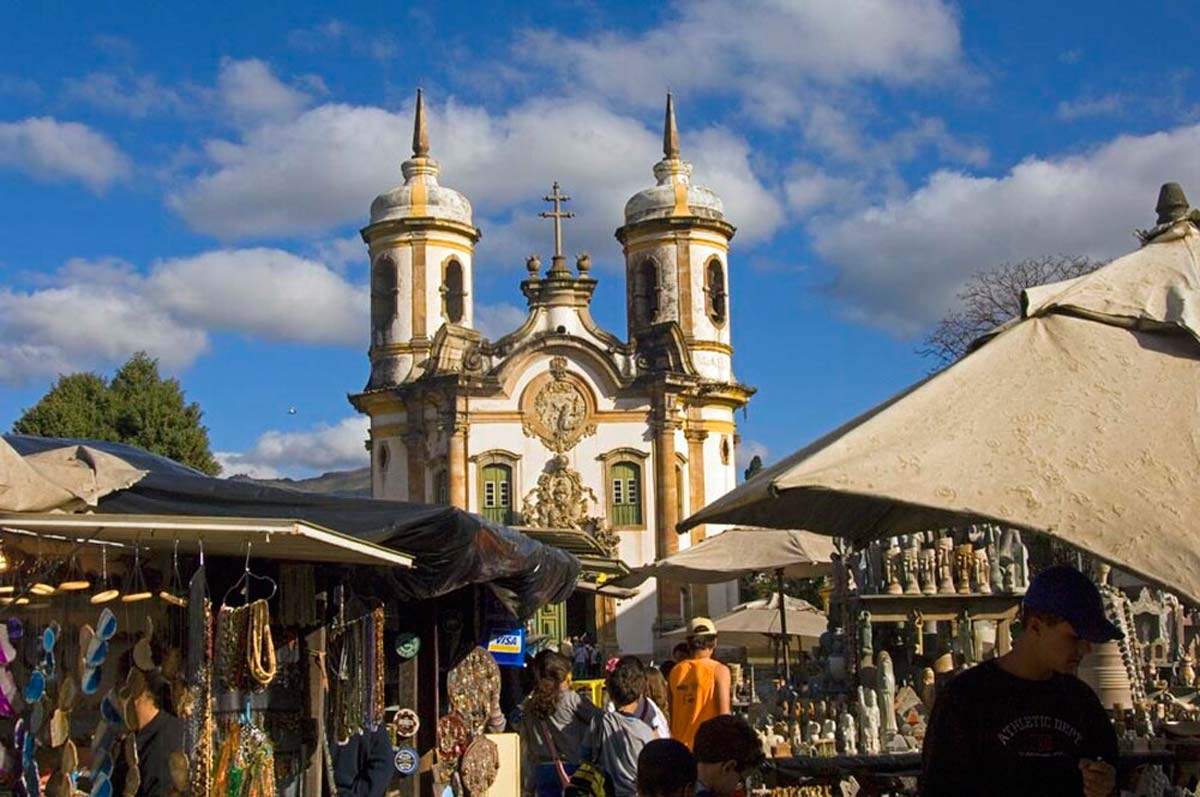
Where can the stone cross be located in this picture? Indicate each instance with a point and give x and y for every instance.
(558, 214)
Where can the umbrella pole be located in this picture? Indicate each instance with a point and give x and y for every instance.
(787, 664)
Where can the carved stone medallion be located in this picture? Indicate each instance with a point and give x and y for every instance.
(559, 413)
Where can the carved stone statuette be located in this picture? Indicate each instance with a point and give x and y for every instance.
(983, 573)
(912, 567)
(964, 566)
(929, 571)
(945, 566)
(848, 730)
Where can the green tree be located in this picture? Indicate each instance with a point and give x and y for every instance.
(77, 405)
(138, 407)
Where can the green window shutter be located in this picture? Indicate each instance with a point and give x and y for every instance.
(626, 494)
(497, 493)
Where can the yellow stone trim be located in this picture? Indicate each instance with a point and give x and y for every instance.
(721, 427)
(683, 283)
(681, 196)
(664, 241)
(710, 345)
(418, 289)
(419, 198)
(408, 239)
(601, 416)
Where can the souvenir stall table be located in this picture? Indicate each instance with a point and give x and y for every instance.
(107, 617)
(470, 579)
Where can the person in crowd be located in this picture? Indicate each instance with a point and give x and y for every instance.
(1023, 723)
(659, 696)
(619, 734)
(678, 654)
(727, 750)
(666, 768)
(582, 659)
(648, 708)
(554, 722)
(567, 648)
(159, 737)
(699, 684)
(597, 663)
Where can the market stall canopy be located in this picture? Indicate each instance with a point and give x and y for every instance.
(60, 478)
(217, 536)
(748, 623)
(1080, 421)
(739, 551)
(452, 548)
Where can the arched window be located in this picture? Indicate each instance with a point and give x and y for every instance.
(452, 292)
(714, 289)
(625, 493)
(384, 457)
(385, 290)
(647, 290)
(497, 493)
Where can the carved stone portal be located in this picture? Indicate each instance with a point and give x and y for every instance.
(561, 501)
(559, 413)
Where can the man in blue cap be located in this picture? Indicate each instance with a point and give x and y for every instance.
(1023, 724)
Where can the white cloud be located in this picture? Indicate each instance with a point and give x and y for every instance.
(1087, 107)
(769, 53)
(321, 171)
(341, 252)
(497, 320)
(901, 262)
(92, 314)
(336, 34)
(133, 95)
(48, 149)
(322, 448)
(251, 93)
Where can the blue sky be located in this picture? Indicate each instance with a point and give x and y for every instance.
(189, 179)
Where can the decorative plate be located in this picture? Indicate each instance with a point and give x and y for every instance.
(453, 735)
(406, 760)
(479, 766)
(406, 724)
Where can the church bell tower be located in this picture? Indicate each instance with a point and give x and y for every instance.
(421, 241)
(676, 243)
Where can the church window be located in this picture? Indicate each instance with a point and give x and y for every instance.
(385, 291)
(452, 292)
(714, 289)
(647, 293)
(626, 496)
(497, 493)
(441, 487)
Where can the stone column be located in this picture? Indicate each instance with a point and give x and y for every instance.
(695, 439)
(456, 464)
(670, 609)
(414, 441)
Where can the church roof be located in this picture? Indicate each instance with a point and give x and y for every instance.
(674, 194)
(420, 196)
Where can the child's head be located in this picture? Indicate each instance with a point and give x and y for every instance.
(727, 750)
(627, 682)
(666, 768)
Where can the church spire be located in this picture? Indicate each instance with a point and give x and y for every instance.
(670, 131)
(420, 140)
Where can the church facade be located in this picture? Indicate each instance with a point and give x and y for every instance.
(560, 424)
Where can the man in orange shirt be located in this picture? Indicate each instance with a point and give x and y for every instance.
(699, 684)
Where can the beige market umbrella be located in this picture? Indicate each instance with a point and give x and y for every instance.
(25, 489)
(748, 623)
(1080, 420)
(71, 477)
(87, 473)
(739, 551)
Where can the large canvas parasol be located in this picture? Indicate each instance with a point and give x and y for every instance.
(747, 623)
(1080, 420)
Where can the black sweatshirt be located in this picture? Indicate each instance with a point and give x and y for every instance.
(993, 733)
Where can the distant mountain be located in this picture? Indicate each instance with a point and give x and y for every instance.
(341, 482)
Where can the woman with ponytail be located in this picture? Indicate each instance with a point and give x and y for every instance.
(554, 721)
